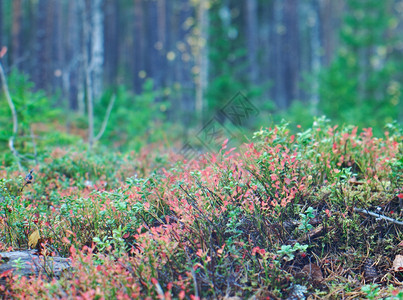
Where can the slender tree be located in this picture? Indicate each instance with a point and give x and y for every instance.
(16, 30)
(252, 39)
(1, 23)
(201, 56)
(97, 48)
(112, 41)
(139, 46)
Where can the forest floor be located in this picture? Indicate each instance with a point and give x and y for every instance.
(316, 215)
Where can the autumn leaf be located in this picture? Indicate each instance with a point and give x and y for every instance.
(313, 271)
(398, 263)
(5, 273)
(33, 239)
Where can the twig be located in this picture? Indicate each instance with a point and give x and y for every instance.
(106, 119)
(196, 290)
(378, 216)
(160, 292)
(14, 114)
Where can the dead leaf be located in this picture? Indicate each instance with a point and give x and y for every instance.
(313, 271)
(398, 263)
(353, 181)
(33, 239)
(311, 234)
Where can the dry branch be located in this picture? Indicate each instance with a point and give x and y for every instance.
(14, 115)
(106, 119)
(378, 216)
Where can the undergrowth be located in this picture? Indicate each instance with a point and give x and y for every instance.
(284, 216)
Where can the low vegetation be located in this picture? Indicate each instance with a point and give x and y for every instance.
(317, 213)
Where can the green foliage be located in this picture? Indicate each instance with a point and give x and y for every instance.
(135, 119)
(363, 83)
(299, 113)
(305, 218)
(287, 252)
(36, 121)
(115, 241)
(371, 291)
(248, 223)
(226, 59)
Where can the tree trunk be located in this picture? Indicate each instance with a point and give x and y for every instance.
(153, 44)
(139, 46)
(72, 74)
(161, 46)
(41, 58)
(291, 51)
(252, 40)
(1, 24)
(279, 93)
(330, 17)
(202, 57)
(97, 49)
(112, 41)
(16, 30)
(58, 47)
(184, 65)
(315, 56)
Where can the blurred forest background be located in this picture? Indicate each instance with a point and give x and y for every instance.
(156, 68)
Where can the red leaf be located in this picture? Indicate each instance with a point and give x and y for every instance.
(3, 51)
(5, 273)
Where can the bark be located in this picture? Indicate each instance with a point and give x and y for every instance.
(73, 55)
(266, 38)
(184, 65)
(88, 77)
(83, 60)
(279, 92)
(291, 51)
(112, 41)
(13, 113)
(41, 55)
(330, 16)
(97, 49)
(139, 45)
(32, 264)
(316, 46)
(153, 58)
(252, 39)
(202, 58)
(1, 24)
(162, 50)
(58, 46)
(16, 30)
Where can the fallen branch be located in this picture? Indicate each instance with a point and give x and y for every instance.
(378, 216)
(14, 115)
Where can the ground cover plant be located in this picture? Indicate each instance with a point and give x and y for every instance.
(313, 214)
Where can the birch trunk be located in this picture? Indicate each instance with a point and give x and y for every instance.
(202, 58)
(97, 49)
